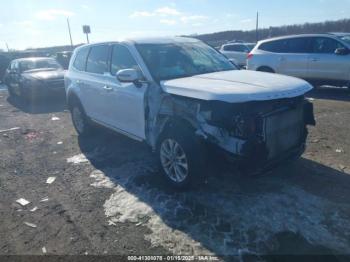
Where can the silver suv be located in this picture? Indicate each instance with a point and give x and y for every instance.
(318, 58)
(182, 97)
(237, 52)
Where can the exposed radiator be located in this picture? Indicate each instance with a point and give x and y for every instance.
(283, 131)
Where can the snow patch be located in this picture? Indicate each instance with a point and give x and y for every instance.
(101, 180)
(223, 222)
(77, 159)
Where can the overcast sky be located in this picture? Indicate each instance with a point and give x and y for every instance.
(38, 23)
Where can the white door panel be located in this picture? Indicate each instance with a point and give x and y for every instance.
(323, 63)
(94, 96)
(293, 65)
(125, 106)
(329, 66)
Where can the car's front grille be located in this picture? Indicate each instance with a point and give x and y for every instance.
(283, 131)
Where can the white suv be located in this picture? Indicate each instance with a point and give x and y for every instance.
(237, 52)
(318, 58)
(180, 96)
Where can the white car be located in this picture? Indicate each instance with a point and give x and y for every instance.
(181, 96)
(237, 52)
(318, 58)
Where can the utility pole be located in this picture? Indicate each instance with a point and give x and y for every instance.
(70, 34)
(257, 27)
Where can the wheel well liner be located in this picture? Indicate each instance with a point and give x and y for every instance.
(265, 69)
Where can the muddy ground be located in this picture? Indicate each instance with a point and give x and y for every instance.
(108, 199)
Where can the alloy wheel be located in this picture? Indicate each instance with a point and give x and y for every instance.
(174, 160)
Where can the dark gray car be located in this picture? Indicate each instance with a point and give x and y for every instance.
(33, 78)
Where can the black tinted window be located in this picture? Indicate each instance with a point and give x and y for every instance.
(325, 45)
(236, 48)
(97, 59)
(293, 45)
(278, 46)
(122, 59)
(80, 59)
(298, 45)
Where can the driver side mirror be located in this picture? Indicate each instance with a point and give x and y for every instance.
(342, 51)
(128, 75)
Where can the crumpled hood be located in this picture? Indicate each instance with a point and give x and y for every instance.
(46, 75)
(237, 86)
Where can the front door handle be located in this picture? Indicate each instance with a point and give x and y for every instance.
(314, 59)
(108, 88)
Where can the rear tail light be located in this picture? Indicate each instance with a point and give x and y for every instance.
(250, 55)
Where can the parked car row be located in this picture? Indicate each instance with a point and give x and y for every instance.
(321, 59)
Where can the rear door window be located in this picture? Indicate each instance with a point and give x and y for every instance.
(122, 59)
(80, 59)
(324, 45)
(298, 45)
(97, 59)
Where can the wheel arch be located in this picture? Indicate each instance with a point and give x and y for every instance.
(266, 69)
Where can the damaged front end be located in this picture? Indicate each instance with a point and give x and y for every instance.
(255, 134)
(259, 133)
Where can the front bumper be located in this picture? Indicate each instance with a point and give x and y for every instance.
(280, 136)
(44, 89)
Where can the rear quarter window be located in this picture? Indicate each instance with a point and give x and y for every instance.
(278, 46)
(80, 59)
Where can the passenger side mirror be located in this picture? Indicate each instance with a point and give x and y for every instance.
(342, 51)
(128, 75)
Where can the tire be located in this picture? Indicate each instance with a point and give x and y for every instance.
(266, 69)
(80, 121)
(10, 91)
(181, 156)
(26, 96)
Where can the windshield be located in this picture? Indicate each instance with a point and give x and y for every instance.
(176, 60)
(346, 38)
(28, 65)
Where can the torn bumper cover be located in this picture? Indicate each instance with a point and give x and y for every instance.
(263, 138)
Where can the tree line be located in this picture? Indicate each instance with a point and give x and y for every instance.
(250, 36)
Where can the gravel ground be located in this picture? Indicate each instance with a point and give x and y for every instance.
(108, 199)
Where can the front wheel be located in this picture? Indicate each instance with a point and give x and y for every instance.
(181, 157)
(10, 91)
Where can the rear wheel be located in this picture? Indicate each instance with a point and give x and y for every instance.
(80, 120)
(181, 156)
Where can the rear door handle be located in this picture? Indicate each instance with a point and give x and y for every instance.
(314, 59)
(282, 59)
(108, 88)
